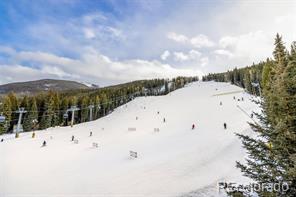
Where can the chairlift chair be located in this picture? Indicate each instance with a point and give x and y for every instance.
(2, 118)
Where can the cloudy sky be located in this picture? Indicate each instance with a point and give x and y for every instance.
(114, 41)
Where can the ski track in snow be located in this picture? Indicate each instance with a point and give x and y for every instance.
(176, 161)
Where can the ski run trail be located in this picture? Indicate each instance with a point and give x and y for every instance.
(174, 161)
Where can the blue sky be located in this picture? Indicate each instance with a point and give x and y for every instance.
(109, 42)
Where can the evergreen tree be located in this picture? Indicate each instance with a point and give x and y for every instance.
(56, 118)
(31, 117)
(280, 53)
(6, 111)
(266, 73)
(166, 87)
(247, 82)
(285, 140)
(96, 114)
(14, 107)
(271, 156)
(293, 51)
(83, 113)
(104, 104)
(47, 116)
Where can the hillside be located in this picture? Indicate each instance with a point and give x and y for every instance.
(172, 161)
(32, 87)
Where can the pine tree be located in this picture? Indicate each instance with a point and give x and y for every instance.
(280, 53)
(96, 107)
(14, 107)
(83, 113)
(271, 156)
(104, 104)
(56, 118)
(6, 111)
(266, 73)
(247, 82)
(31, 118)
(285, 141)
(166, 87)
(293, 51)
(47, 116)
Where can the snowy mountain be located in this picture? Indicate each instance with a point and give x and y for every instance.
(31, 87)
(172, 158)
(90, 85)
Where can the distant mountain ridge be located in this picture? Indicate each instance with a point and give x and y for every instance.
(43, 85)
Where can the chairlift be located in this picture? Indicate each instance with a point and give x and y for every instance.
(2, 118)
(65, 115)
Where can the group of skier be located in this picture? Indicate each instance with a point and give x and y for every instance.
(164, 120)
(225, 126)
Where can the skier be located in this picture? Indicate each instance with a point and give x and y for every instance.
(158, 112)
(33, 135)
(90, 134)
(220, 102)
(225, 126)
(163, 119)
(136, 117)
(252, 115)
(234, 98)
(2, 140)
(193, 126)
(242, 98)
(72, 139)
(44, 143)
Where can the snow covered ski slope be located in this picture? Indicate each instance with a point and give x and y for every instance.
(172, 158)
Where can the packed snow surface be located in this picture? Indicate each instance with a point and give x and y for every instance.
(176, 161)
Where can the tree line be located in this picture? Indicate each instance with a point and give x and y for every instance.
(48, 109)
(272, 153)
(250, 78)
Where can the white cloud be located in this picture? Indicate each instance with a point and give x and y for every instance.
(20, 73)
(42, 57)
(198, 41)
(180, 56)
(165, 55)
(191, 55)
(254, 46)
(91, 66)
(201, 41)
(204, 61)
(177, 37)
(223, 52)
(228, 41)
(194, 54)
(193, 59)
